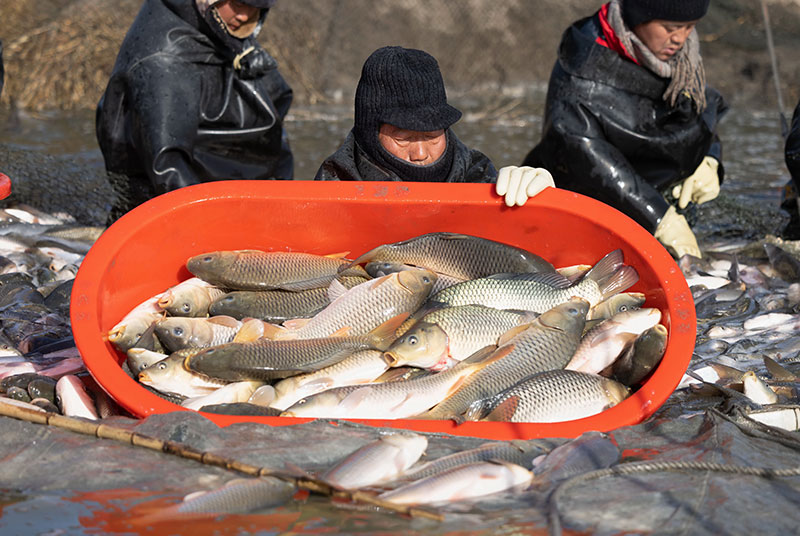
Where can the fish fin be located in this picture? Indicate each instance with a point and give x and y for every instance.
(225, 321)
(606, 266)
(296, 471)
(429, 307)
(252, 329)
(551, 279)
(384, 335)
(355, 399)
(341, 332)
(274, 332)
(575, 272)
(511, 333)
(363, 259)
(474, 412)
(778, 371)
(624, 278)
(336, 290)
(726, 372)
(483, 354)
(295, 323)
(342, 255)
(504, 410)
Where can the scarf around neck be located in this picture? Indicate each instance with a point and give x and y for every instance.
(685, 69)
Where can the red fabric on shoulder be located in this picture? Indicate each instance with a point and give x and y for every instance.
(609, 38)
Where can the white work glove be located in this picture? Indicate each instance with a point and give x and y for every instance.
(674, 232)
(701, 186)
(517, 184)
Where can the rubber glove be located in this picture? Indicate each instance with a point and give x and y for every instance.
(253, 63)
(517, 184)
(701, 186)
(674, 232)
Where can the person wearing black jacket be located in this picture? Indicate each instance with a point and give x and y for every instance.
(2, 72)
(792, 157)
(193, 98)
(402, 132)
(629, 119)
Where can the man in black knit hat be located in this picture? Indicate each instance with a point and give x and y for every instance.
(402, 132)
(629, 119)
(193, 97)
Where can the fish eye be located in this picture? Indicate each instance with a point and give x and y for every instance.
(412, 340)
(178, 331)
(301, 402)
(426, 279)
(573, 311)
(186, 308)
(162, 366)
(208, 258)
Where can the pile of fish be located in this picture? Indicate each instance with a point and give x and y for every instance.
(39, 364)
(747, 297)
(392, 466)
(440, 326)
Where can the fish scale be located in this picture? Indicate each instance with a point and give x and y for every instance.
(516, 294)
(458, 255)
(547, 344)
(554, 396)
(366, 306)
(260, 270)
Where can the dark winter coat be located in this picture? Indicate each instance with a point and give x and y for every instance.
(793, 148)
(609, 134)
(176, 113)
(350, 163)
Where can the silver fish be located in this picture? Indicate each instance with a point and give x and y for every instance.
(553, 396)
(458, 255)
(542, 292)
(448, 335)
(463, 482)
(378, 461)
(546, 343)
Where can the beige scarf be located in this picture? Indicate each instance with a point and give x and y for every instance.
(244, 31)
(685, 68)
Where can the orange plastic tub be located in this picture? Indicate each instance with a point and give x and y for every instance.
(5, 186)
(145, 251)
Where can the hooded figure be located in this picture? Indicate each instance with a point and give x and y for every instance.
(193, 98)
(629, 119)
(790, 199)
(2, 72)
(402, 126)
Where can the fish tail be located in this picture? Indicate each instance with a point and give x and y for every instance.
(505, 410)
(621, 280)
(606, 266)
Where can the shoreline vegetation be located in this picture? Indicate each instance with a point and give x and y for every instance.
(58, 55)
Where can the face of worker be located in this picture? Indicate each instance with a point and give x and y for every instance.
(664, 38)
(420, 148)
(239, 17)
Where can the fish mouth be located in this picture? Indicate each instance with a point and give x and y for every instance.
(391, 358)
(144, 377)
(116, 334)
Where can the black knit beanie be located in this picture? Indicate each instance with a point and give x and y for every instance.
(636, 12)
(402, 87)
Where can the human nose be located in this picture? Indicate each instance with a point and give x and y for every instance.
(680, 36)
(417, 152)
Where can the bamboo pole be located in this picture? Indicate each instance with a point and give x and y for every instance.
(121, 435)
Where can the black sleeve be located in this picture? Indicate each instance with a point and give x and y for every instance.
(165, 100)
(2, 72)
(591, 165)
(793, 148)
